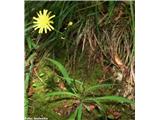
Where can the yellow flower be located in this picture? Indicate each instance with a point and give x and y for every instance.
(70, 23)
(43, 21)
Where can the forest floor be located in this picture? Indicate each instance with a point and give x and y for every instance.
(85, 72)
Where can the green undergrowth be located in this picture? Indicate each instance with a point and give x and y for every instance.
(51, 100)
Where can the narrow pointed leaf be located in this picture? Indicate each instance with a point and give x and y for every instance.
(64, 94)
(79, 113)
(111, 98)
(96, 87)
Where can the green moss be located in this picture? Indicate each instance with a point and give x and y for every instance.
(41, 108)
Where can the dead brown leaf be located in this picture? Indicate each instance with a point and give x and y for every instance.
(61, 86)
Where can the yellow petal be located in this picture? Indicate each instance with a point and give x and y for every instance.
(48, 13)
(36, 28)
(51, 27)
(48, 28)
(40, 12)
(45, 12)
(51, 22)
(35, 25)
(52, 17)
(35, 18)
(45, 30)
(41, 30)
(35, 22)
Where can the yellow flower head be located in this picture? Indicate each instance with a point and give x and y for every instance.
(70, 23)
(43, 21)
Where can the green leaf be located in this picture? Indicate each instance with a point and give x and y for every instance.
(29, 43)
(61, 69)
(79, 113)
(64, 94)
(110, 117)
(72, 116)
(41, 74)
(26, 105)
(65, 74)
(111, 98)
(93, 88)
(72, 80)
(37, 84)
(28, 28)
(87, 108)
(27, 77)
